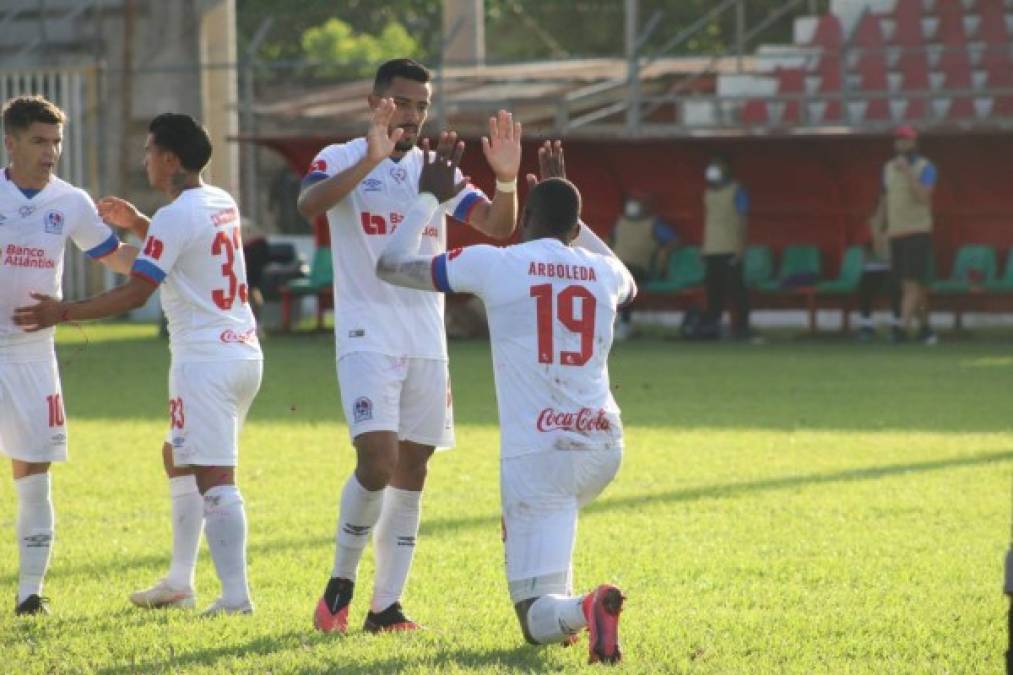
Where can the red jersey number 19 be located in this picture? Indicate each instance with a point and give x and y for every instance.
(565, 307)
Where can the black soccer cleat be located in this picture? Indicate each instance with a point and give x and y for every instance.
(33, 604)
(389, 620)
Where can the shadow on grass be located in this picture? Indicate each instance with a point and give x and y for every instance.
(522, 658)
(445, 526)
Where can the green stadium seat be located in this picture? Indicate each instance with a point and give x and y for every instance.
(685, 270)
(1003, 284)
(757, 265)
(850, 276)
(974, 266)
(798, 261)
(317, 283)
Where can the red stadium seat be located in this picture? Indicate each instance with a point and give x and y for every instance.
(908, 17)
(871, 64)
(791, 81)
(993, 23)
(755, 112)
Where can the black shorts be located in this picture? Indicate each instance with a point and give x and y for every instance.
(910, 257)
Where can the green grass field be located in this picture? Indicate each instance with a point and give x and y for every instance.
(790, 507)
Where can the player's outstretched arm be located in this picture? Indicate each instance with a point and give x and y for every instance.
(49, 311)
(321, 196)
(122, 259)
(124, 215)
(400, 262)
(502, 149)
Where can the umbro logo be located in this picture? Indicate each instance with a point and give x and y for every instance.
(372, 185)
(356, 530)
(38, 540)
(3, 219)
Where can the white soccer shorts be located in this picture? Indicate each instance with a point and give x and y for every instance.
(32, 421)
(541, 494)
(208, 403)
(410, 396)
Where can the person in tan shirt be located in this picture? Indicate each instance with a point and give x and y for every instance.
(642, 240)
(904, 213)
(726, 207)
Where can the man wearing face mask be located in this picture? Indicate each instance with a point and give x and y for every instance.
(726, 204)
(904, 213)
(643, 241)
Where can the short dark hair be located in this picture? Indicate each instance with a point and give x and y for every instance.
(183, 136)
(406, 68)
(555, 204)
(22, 111)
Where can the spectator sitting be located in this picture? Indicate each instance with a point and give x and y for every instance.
(643, 241)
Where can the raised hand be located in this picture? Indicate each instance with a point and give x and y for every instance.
(550, 163)
(439, 169)
(120, 213)
(380, 140)
(502, 147)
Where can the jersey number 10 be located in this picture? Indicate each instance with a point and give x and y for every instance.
(584, 325)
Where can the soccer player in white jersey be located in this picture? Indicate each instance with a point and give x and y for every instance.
(551, 302)
(194, 251)
(391, 343)
(38, 213)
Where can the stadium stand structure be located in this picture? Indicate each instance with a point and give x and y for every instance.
(807, 127)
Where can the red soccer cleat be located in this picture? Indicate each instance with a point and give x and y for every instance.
(331, 615)
(601, 608)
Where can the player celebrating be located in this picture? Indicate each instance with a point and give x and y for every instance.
(391, 344)
(193, 248)
(551, 302)
(38, 213)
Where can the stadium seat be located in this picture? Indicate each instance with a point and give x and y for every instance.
(850, 275)
(973, 268)
(871, 65)
(317, 283)
(685, 270)
(800, 268)
(791, 81)
(755, 112)
(757, 265)
(1003, 284)
(908, 17)
(993, 24)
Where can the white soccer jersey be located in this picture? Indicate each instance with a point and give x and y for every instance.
(370, 315)
(551, 308)
(194, 247)
(33, 239)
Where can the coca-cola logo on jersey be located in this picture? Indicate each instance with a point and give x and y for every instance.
(583, 421)
(230, 335)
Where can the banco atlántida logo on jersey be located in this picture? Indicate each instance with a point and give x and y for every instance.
(27, 256)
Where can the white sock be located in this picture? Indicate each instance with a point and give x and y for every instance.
(553, 617)
(187, 523)
(394, 545)
(360, 509)
(35, 532)
(226, 535)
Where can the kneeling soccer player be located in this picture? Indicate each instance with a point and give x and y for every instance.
(551, 303)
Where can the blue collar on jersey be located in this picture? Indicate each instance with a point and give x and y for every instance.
(27, 192)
